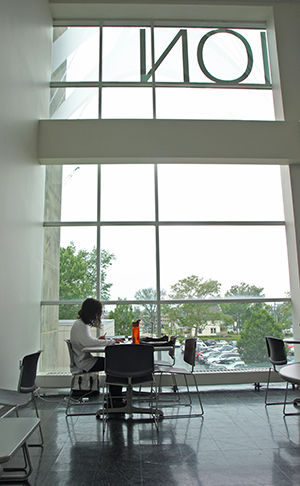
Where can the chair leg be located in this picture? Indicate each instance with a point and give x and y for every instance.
(105, 392)
(285, 397)
(69, 397)
(26, 470)
(41, 444)
(154, 415)
(175, 387)
(286, 403)
(188, 390)
(189, 404)
(199, 396)
(267, 391)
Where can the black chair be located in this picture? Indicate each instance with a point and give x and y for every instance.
(25, 392)
(172, 343)
(189, 357)
(277, 357)
(76, 374)
(129, 365)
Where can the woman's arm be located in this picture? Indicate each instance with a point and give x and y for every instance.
(86, 339)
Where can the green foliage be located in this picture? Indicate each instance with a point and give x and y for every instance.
(123, 316)
(193, 316)
(252, 344)
(240, 312)
(106, 260)
(78, 276)
(283, 315)
(147, 312)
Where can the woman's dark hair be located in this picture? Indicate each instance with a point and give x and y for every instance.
(90, 310)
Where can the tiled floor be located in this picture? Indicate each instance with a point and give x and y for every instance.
(238, 442)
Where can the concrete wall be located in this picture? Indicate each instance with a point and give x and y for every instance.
(25, 49)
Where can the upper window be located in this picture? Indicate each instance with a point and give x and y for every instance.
(160, 72)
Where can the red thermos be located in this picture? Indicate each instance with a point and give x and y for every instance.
(136, 332)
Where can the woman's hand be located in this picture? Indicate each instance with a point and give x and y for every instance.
(102, 337)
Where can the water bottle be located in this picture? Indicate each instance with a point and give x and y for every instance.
(136, 332)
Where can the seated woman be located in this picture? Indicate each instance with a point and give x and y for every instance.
(90, 316)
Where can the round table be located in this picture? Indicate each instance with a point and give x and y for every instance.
(291, 373)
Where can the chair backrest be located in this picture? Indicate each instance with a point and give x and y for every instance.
(129, 360)
(73, 366)
(28, 369)
(276, 351)
(190, 351)
(172, 342)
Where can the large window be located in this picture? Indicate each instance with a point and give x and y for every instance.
(158, 71)
(189, 249)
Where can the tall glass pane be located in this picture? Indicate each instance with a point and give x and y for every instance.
(74, 103)
(133, 266)
(75, 54)
(219, 104)
(168, 50)
(69, 263)
(127, 192)
(220, 193)
(78, 263)
(226, 54)
(221, 346)
(121, 53)
(71, 193)
(123, 314)
(227, 255)
(126, 103)
(79, 193)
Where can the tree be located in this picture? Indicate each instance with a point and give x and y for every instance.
(283, 314)
(123, 316)
(78, 276)
(252, 344)
(240, 311)
(194, 315)
(106, 260)
(149, 311)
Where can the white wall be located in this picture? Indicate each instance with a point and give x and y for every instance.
(25, 43)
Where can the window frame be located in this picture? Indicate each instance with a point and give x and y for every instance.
(153, 84)
(157, 224)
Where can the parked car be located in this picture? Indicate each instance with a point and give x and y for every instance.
(207, 357)
(228, 347)
(230, 359)
(222, 358)
(210, 342)
(224, 365)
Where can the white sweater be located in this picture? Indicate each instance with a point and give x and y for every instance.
(80, 338)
